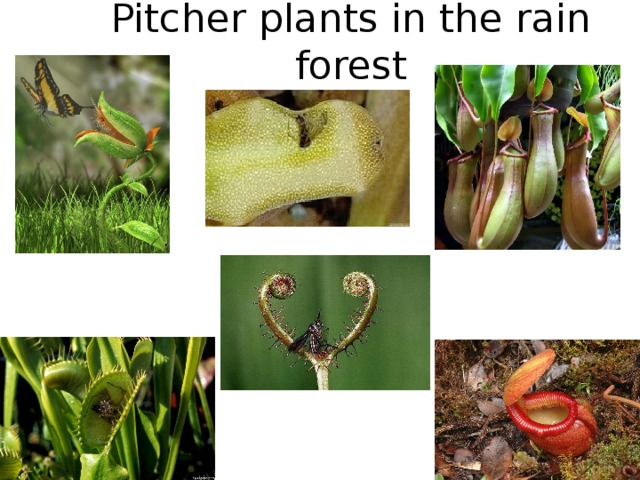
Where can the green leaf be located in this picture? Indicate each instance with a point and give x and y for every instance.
(10, 390)
(127, 445)
(207, 412)
(164, 357)
(498, 82)
(144, 232)
(194, 354)
(138, 187)
(450, 74)
(53, 406)
(148, 445)
(588, 79)
(598, 128)
(10, 464)
(109, 145)
(68, 375)
(10, 440)
(106, 353)
(101, 466)
(95, 429)
(194, 421)
(446, 109)
(124, 124)
(539, 76)
(472, 86)
(26, 358)
(142, 356)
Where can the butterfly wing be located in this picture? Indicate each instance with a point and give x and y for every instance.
(67, 106)
(49, 98)
(44, 79)
(47, 88)
(32, 91)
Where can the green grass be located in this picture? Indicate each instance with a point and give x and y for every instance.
(66, 222)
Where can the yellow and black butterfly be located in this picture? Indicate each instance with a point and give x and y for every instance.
(47, 94)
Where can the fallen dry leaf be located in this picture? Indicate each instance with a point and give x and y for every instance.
(496, 459)
(494, 348)
(476, 377)
(490, 407)
(463, 455)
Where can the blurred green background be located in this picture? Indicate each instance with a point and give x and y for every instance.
(45, 155)
(396, 352)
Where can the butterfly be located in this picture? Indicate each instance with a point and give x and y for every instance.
(47, 94)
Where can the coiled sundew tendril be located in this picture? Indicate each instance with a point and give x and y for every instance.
(261, 156)
(282, 286)
(358, 284)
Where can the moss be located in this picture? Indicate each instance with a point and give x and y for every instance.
(524, 462)
(599, 361)
(567, 469)
(607, 456)
(452, 403)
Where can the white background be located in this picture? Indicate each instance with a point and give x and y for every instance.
(371, 435)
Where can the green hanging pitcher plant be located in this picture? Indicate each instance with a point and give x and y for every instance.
(91, 406)
(491, 189)
(122, 136)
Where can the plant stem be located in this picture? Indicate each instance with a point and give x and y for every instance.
(207, 412)
(194, 354)
(102, 208)
(616, 398)
(322, 375)
(151, 169)
(10, 389)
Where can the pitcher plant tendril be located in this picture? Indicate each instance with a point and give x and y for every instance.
(312, 345)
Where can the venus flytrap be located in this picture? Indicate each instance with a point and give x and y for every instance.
(319, 354)
(88, 404)
(122, 136)
(10, 448)
(261, 156)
